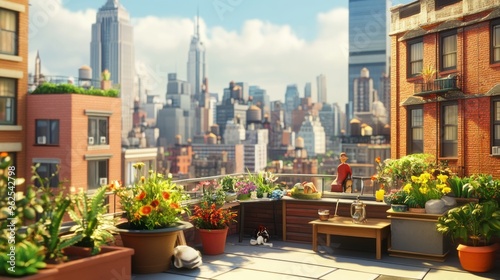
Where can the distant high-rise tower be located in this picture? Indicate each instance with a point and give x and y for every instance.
(112, 48)
(307, 90)
(196, 71)
(321, 84)
(38, 69)
(368, 41)
(364, 94)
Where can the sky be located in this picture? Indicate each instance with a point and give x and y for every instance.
(267, 43)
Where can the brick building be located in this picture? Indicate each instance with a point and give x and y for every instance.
(79, 133)
(14, 81)
(454, 112)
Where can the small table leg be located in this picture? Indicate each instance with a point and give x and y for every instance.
(241, 221)
(379, 244)
(315, 238)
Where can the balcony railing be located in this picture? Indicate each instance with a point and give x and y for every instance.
(438, 86)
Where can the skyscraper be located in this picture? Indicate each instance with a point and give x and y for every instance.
(196, 71)
(307, 90)
(321, 84)
(112, 48)
(368, 41)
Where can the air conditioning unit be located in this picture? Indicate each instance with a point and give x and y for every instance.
(495, 150)
(103, 139)
(91, 140)
(41, 140)
(103, 181)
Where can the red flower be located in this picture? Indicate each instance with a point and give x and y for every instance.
(141, 196)
(174, 205)
(154, 203)
(145, 210)
(165, 195)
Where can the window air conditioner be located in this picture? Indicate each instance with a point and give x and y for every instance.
(41, 140)
(91, 140)
(103, 140)
(103, 181)
(495, 150)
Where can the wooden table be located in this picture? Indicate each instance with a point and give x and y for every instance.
(372, 228)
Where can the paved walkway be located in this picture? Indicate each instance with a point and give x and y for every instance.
(350, 258)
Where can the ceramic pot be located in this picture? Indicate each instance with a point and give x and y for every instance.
(399, 207)
(213, 240)
(153, 249)
(477, 259)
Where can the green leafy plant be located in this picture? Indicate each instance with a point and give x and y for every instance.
(227, 183)
(89, 214)
(472, 224)
(29, 258)
(483, 187)
(395, 171)
(50, 88)
(212, 192)
(397, 197)
(153, 201)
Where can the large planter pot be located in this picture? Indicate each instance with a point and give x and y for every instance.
(414, 235)
(153, 248)
(477, 259)
(213, 240)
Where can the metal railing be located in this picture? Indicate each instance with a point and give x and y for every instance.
(436, 86)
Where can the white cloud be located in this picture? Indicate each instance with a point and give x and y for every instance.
(261, 53)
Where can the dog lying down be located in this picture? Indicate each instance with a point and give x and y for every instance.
(186, 257)
(261, 237)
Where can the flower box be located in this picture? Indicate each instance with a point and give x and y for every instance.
(414, 235)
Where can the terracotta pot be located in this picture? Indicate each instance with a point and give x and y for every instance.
(213, 240)
(153, 248)
(477, 259)
(416, 210)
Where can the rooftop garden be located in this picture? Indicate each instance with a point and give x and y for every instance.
(50, 88)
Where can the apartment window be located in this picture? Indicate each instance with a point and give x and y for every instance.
(495, 41)
(416, 130)
(7, 101)
(449, 50)
(8, 32)
(443, 3)
(48, 173)
(98, 131)
(97, 173)
(47, 132)
(496, 122)
(449, 130)
(415, 57)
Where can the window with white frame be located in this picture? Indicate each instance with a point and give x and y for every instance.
(7, 101)
(98, 131)
(415, 57)
(8, 32)
(47, 132)
(449, 130)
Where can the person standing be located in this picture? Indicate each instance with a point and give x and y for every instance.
(344, 173)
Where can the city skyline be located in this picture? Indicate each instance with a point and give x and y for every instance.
(244, 41)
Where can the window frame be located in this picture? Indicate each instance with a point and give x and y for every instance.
(93, 183)
(52, 169)
(14, 33)
(410, 62)
(445, 150)
(442, 54)
(412, 146)
(10, 102)
(97, 132)
(495, 121)
(495, 24)
(52, 137)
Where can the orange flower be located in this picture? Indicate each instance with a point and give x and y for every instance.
(377, 160)
(143, 179)
(165, 195)
(154, 203)
(145, 210)
(174, 205)
(4, 154)
(114, 185)
(141, 196)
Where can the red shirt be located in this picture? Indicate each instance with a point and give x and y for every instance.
(343, 171)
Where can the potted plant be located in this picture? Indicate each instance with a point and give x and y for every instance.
(153, 207)
(264, 181)
(244, 188)
(472, 226)
(212, 192)
(227, 183)
(424, 188)
(212, 223)
(39, 240)
(397, 201)
(483, 187)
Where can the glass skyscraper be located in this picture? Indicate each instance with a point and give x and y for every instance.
(368, 41)
(112, 48)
